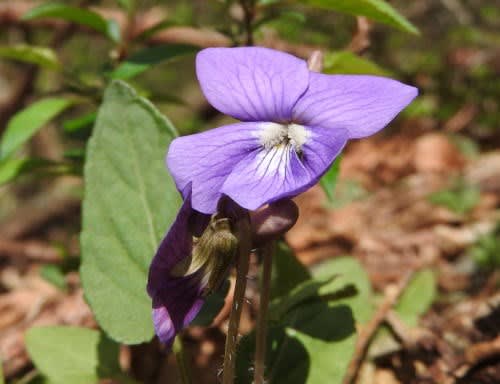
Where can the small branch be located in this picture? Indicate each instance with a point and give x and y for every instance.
(261, 327)
(248, 16)
(392, 294)
(361, 38)
(245, 238)
(31, 250)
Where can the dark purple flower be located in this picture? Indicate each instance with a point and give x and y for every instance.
(295, 123)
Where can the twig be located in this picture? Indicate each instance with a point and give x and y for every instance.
(261, 327)
(361, 38)
(392, 294)
(248, 15)
(32, 250)
(244, 236)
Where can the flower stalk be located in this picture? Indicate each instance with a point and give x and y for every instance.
(261, 328)
(243, 230)
(180, 357)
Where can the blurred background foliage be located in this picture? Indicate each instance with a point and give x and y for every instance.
(52, 79)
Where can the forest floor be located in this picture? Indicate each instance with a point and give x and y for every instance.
(384, 216)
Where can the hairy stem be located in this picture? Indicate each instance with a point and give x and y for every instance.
(261, 327)
(182, 364)
(245, 244)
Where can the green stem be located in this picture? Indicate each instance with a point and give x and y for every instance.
(182, 364)
(244, 236)
(261, 327)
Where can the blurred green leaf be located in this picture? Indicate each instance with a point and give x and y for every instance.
(10, 169)
(329, 179)
(54, 275)
(313, 341)
(25, 123)
(77, 15)
(72, 355)
(125, 4)
(417, 297)
(460, 198)
(2, 381)
(287, 271)
(377, 10)
(141, 61)
(349, 63)
(42, 56)
(80, 122)
(486, 251)
(124, 171)
(148, 32)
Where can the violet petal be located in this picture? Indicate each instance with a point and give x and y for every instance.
(361, 104)
(252, 83)
(206, 159)
(271, 174)
(176, 300)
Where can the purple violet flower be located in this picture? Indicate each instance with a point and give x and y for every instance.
(294, 124)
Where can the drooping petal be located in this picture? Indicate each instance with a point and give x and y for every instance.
(207, 158)
(176, 305)
(361, 104)
(176, 299)
(271, 174)
(252, 83)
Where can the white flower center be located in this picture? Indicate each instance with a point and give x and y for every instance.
(274, 135)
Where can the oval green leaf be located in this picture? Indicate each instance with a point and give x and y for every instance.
(142, 60)
(377, 10)
(42, 56)
(28, 121)
(72, 355)
(130, 201)
(77, 15)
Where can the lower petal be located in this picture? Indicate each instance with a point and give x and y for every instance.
(207, 158)
(176, 305)
(176, 300)
(269, 175)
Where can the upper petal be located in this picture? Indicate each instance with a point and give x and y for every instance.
(206, 159)
(361, 104)
(252, 83)
(268, 175)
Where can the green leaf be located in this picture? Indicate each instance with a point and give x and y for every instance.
(417, 297)
(130, 201)
(72, 355)
(460, 198)
(27, 122)
(312, 342)
(125, 4)
(80, 122)
(54, 275)
(287, 271)
(77, 15)
(148, 57)
(329, 179)
(349, 63)
(42, 56)
(377, 10)
(2, 381)
(11, 169)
